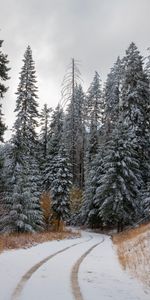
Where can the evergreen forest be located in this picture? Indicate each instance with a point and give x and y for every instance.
(84, 163)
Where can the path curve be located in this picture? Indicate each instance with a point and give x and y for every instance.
(75, 270)
(20, 286)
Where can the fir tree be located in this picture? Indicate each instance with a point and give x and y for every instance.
(54, 144)
(22, 210)
(60, 185)
(75, 134)
(135, 105)
(147, 66)
(45, 129)
(22, 196)
(27, 105)
(89, 213)
(3, 77)
(95, 114)
(95, 104)
(118, 190)
(72, 94)
(95, 111)
(112, 95)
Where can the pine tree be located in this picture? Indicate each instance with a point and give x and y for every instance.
(22, 196)
(116, 179)
(112, 95)
(89, 213)
(75, 135)
(95, 105)
(60, 185)
(27, 106)
(22, 210)
(2, 179)
(54, 144)
(45, 129)
(118, 190)
(72, 94)
(147, 66)
(135, 105)
(95, 113)
(44, 140)
(3, 89)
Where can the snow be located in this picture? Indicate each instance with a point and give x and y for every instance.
(15, 263)
(100, 275)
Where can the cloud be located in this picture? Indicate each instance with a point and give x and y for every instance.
(93, 31)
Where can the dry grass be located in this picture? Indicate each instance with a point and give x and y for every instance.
(133, 247)
(26, 240)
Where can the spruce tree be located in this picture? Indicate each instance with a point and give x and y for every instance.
(3, 89)
(89, 213)
(73, 96)
(45, 130)
(95, 115)
(54, 144)
(117, 194)
(135, 105)
(44, 140)
(27, 105)
(60, 185)
(75, 135)
(22, 197)
(95, 104)
(112, 95)
(3, 78)
(21, 210)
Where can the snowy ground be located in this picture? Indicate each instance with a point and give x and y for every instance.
(100, 276)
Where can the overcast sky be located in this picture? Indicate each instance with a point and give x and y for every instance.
(92, 31)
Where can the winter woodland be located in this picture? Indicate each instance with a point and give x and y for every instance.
(90, 155)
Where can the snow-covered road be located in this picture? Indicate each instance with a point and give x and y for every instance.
(85, 268)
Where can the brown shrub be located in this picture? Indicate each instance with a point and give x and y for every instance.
(46, 206)
(130, 233)
(25, 240)
(133, 248)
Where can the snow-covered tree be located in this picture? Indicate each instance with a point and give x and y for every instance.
(117, 180)
(73, 97)
(117, 194)
(94, 117)
(147, 65)
(74, 129)
(27, 105)
(45, 129)
(89, 213)
(60, 185)
(135, 105)
(21, 207)
(23, 211)
(95, 102)
(112, 95)
(3, 77)
(54, 144)
(94, 121)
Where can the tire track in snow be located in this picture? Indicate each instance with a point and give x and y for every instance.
(20, 286)
(74, 274)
